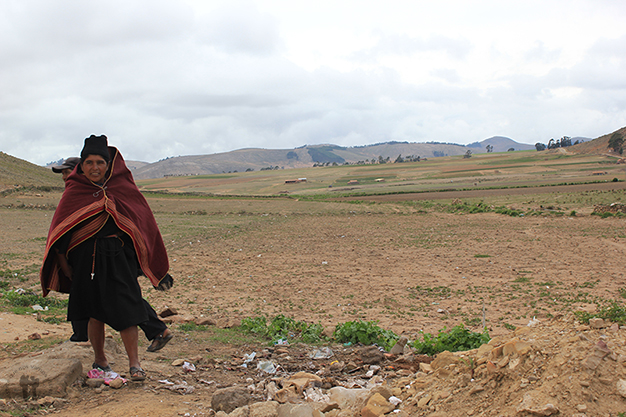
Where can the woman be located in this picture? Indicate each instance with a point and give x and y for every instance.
(102, 233)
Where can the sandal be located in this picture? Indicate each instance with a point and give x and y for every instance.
(102, 368)
(160, 341)
(137, 374)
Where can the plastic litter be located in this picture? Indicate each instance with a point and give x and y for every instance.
(322, 353)
(267, 366)
(189, 367)
(394, 400)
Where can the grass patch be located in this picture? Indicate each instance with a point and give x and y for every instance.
(283, 328)
(366, 333)
(612, 311)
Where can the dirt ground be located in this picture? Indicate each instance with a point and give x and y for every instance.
(409, 270)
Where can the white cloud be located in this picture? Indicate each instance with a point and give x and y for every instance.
(168, 77)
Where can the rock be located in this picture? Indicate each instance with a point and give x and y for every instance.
(228, 399)
(596, 323)
(37, 377)
(240, 412)
(528, 406)
(264, 409)
(287, 395)
(117, 383)
(425, 367)
(205, 321)
(228, 322)
(47, 401)
(34, 336)
(515, 346)
(423, 402)
(443, 359)
(297, 410)
(376, 406)
(600, 351)
(382, 390)
(170, 311)
(398, 348)
(476, 389)
(371, 355)
(94, 382)
(178, 362)
(346, 397)
(621, 387)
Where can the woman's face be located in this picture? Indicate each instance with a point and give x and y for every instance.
(95, 168)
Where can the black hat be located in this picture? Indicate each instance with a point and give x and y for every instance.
(96, 145)
(69, 163)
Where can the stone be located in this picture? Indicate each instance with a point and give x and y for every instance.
(94, 382)
(371, 355)
(303, 380)
(228, 399)
(621, 387)
(264, 409)
(117, 383)
(515, 347)
(476, 389)
(382, 390)
(346, 397)
(297, 410)
(398, 348)
(34, 336)
(241, 412)
(170, 311)
(205, 321)
(426, 368)
(376, 406)
(228, 322)
(528, 406)
(36, 377)
(287, 395)
(596, 323)
(443, 359)
(423, 402)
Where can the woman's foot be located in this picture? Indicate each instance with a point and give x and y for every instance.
(160, 341)
(103, 368)
(137, 374)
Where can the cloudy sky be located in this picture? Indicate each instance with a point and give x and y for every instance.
(174, 77)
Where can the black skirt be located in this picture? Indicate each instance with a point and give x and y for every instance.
(104, 280)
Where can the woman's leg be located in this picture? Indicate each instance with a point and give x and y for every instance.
(130, 337)
(96, 337)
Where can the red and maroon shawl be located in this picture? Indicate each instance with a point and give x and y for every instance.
(89, 205)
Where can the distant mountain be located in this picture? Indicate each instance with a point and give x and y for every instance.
(309, 155)
(500, 144)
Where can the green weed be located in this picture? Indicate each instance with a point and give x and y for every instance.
(457, 339)
(366, 333)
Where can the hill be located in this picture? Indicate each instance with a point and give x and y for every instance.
(500, 144)
(254, 159)
(597, 146)
(15, 172)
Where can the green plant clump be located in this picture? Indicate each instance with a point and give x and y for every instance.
(457, 339)
(282, 327)
(15, 299)
(614, 312)
(366, 333)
